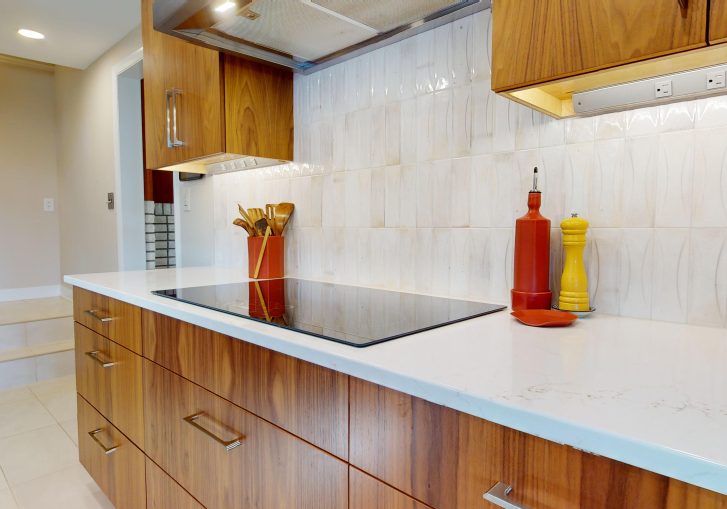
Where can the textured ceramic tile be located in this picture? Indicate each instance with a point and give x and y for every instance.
(443, 71)
(392, 71)
(392, 196)
(605, 183)
(408, 68)
(69, 488)
(707, 301)
(670, 271)
(505, 200)
(580, 130)
(642, 121)
(528, 127)
(424, 195)
(610, 125)
(483, 188)
(409, 131)
(459, 200)
(378, 197)
(424, 127)
(482, 44)
(459, 259)
(392, 149)
(408, 250)
(461, 139)
(36, 453)
(579, 164)
(711, 112)
(500, 260)
(423, 266)
(424, 62)
(552, 132)
(462, 48)
(441, 189)
(314, 98)
(551, 177)
(377, 67)
(677, 116)
(483, 117)
(639, 182)
(503, 139)
(604, 269)
(674, 180)
(710, 179)
(442, 120)
(377, 135)
(478, 263)
(635, 292)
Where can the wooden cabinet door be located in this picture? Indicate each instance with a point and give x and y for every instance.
(308, 400)
(543, 40)
(116, 320)
(111, 459)
(109, 377)
(193, 435)
(369, 493)
(194, 72)
(163, 493)
(717, 21)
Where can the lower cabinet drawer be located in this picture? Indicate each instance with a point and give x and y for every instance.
(117, 320)
(369, 493)
(163, 493)
(228, 458)
(113, 461)
(109, 377)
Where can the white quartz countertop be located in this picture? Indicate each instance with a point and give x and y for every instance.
(651, 394)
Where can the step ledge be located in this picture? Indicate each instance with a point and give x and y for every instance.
(37, 350)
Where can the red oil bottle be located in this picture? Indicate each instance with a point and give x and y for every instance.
(532, 256)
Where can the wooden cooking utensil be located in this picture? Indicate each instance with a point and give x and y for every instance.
(270, 212)
(261, 225)
(262, 252)
(244, 215)
(284, 211)
(243, 224)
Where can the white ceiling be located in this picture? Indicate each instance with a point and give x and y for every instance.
(77, 31)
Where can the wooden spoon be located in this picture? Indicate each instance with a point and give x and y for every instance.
(284, 211)
(243, 224)
(261, 225)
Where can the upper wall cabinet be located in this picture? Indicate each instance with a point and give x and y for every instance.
(545, 51)
(200, 105)
(542, 40)
(717, 21)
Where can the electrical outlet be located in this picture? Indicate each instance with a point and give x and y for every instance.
(715, 80)
(662, 89)
(49, 204)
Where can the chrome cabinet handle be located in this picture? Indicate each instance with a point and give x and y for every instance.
(227, 444)
(94, 313)
(168, 96)
(94, 435)
(176, 142)
(104, 364)
(499, 495)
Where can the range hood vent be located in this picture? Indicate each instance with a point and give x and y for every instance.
(304, 35)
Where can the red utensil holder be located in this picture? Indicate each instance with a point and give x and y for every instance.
(273, 258)
(267, 299)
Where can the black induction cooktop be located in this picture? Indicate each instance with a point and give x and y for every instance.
(350, 315)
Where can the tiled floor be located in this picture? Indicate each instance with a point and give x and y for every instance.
(39, 466)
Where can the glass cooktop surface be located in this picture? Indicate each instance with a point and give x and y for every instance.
(352, 315)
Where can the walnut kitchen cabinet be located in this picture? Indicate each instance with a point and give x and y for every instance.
(448, 460)
(717, 21)
(370, 493)
(200, 103)
(544, 40)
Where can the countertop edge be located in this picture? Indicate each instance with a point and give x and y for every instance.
(669, 462)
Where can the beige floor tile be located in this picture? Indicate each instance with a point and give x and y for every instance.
(48, 387)
(70, 488)
(6, 500)
(71, 429)
(35, 309)
(61, 404)
(21, 416)
(17, 373)
(36, 453)
(15, 395)
(3, 482)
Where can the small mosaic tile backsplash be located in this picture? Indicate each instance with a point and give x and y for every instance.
(411, 173)
(160, 244)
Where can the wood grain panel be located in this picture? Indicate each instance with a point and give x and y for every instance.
(270, 469)
(369, 493)
(308, 400)
(543, 40)
(163, 493)
(169, 63)
(120, 474)
(258, 109)
(115, 391)
(432, 453)
(717, 21)
(124, 326)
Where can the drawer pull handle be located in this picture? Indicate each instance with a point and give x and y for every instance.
(95, 356)
(94, 435)
(228, 444)
(94, 313)
(499, 495)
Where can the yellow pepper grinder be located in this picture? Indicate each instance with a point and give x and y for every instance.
(574, 283)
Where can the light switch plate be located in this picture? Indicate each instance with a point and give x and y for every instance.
(49, 204)
(187, 200)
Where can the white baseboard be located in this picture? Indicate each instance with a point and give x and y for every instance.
(31, 292)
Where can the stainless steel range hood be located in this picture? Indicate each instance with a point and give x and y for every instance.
(304, 35)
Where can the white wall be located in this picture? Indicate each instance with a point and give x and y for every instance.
(418, 171)
(195, 237)
(86, 161)
(29, 256)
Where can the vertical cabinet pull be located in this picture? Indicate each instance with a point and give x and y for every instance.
(95, 356)
(499, 495)
(94, 435)
(171, 96)
(96, 314)
(227, 444)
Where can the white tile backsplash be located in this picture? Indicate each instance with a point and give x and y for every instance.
(418, 171)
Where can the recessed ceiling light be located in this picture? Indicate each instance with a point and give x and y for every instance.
(31, 34)
(225, 6)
